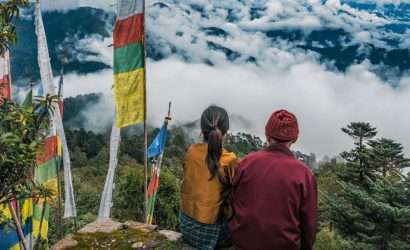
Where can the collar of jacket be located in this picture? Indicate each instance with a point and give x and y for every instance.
(282, 148)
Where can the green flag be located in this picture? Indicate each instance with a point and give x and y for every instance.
(28, 101)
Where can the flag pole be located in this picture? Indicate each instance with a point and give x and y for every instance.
(145, 126)
(18, 226)
(155, 174)
(58, 165)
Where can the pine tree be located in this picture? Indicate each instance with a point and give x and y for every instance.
(369, 209)
(357, 159)
(378, 216)
(387, 156)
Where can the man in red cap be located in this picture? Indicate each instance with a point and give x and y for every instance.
(274, 195)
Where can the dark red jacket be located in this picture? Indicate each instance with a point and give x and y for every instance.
(274, 202)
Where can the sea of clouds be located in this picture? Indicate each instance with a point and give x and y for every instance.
(324, 100)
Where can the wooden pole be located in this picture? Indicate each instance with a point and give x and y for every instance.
(59, 201)
(18, 226)
(145, 170)
(145, 127)
(18, 213)
(58, 165)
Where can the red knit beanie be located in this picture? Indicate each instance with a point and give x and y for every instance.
(282, 126)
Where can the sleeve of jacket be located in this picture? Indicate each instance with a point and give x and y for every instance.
(309, 213)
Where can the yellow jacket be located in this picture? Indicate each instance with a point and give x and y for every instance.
(201, 198)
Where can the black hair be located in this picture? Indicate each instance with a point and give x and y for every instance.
(214, 125)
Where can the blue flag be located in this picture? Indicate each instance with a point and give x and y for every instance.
(158, 145)
(40, 90)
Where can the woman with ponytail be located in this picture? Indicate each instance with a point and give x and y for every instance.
(208, 173)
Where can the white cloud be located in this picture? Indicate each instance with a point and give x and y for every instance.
(286, 77)
(49, 5)
(324, 101)
(382, 3)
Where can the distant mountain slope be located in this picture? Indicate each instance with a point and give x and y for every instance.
(337, 34)
(64, 30)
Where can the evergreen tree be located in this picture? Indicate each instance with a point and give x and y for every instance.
(387, 156)
(242, 143)
(369, 209)
(378, 216)
(357, 159)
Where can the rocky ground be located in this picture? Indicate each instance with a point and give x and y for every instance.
(109, 234)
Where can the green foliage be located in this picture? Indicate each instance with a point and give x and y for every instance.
(358, 168)
(379, 216)
(86, 142)
(242, 144)
(8, 10)
(123, 239)
(370, 204)
(178, 142)
(331, 240)
(21, 133)
(327, 176)
(352, 216)
(360, 131)
(387, 157)
(129, 197)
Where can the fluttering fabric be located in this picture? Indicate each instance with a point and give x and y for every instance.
(5, 79)
(129, 62)
(106, 198)
(49, 89)
(28, 100)
(9, 238)
(156, 149)
(158, 144)
(45, 174)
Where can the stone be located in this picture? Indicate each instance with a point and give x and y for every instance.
(171, 235)
(67, 242)
(140, 226)
(101, 226)
(137, 245)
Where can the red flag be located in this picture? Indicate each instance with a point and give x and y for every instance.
(48, 151)
(5, 83)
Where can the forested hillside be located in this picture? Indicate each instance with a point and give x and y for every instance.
(364, 198)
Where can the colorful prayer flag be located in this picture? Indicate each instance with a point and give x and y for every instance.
(46, 74)
(156, 149)
(45, 174)
(129, 62)
(9, 238)
(28, 100)
(5, 81)
(158, 145)
(152, 192)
